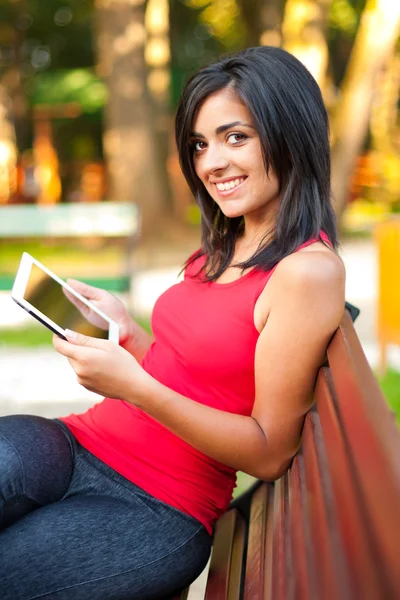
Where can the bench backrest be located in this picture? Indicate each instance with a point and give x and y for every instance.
(329, 529)
(104, 219)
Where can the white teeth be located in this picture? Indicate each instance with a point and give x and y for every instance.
(229, 185)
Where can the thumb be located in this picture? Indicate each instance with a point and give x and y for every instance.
(82, 340)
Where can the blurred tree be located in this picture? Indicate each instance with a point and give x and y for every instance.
(385, 132)
(304, 31)
(38, 36)
(8, 150)
(129, 137)
(263, 21)
(373, 47)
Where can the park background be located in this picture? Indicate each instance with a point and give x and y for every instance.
(88, 91)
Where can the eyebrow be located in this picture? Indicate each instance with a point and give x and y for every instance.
(223, 128)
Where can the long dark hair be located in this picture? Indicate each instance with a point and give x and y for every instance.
(289, 114)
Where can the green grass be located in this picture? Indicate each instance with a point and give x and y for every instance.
(31, 336)
(243, 482)
(25, 337)
(92, 256)
(390, 386)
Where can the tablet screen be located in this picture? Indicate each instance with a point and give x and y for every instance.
(49, 296)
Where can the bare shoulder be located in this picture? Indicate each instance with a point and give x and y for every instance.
(310, 283)
(320, 266)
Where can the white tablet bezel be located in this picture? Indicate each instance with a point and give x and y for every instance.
(18, 292)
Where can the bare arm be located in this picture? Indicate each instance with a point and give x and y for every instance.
(306, 308)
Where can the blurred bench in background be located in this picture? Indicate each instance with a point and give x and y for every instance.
(329, 528)
(105, 220)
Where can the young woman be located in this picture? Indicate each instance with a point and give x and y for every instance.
(119, 502)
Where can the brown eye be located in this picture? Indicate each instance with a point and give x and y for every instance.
(198, 146)
(236, 138)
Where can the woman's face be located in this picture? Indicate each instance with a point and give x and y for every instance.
(228, 159)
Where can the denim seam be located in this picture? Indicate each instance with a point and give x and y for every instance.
(76, 585)
(22, 464)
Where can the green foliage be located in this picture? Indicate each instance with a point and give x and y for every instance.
(202, 30)
(69, 86)
(39, 35)
(343, 16)
(390, 385)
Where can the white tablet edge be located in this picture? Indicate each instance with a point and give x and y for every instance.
(19, 287)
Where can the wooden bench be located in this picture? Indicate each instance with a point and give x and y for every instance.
(110, 220)
(330, 528)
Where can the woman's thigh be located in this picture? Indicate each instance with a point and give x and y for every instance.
(96, 547)
(36, 465)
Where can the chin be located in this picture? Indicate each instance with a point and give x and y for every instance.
(231, 212)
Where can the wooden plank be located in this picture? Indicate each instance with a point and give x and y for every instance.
(351, 522)
(269, 547)
(329, 573)
(254, 585)
(303, 563)
(282, 583)
(373, 441)
(104, 219)
(225, 576)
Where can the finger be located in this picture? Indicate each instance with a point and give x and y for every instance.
(78, 339)
(65, 348)
(89, 291)
(83, 309)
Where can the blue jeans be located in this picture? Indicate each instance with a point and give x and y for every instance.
(73, 528)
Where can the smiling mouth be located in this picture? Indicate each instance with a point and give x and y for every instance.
(229, 186)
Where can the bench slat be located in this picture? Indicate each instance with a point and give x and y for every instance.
(303, 567)
(105, 219)
(328, 571)
(256, 550)
(374, 442)
(348, 496)
(281, 554)
(225, 575)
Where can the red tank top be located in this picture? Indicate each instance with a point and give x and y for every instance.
(204, 348)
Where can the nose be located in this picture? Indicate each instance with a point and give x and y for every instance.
(215, 159)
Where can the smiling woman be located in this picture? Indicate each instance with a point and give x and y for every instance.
(224, 382)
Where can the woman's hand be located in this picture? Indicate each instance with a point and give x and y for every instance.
(102, 366)
(104, 301)
(131, 335)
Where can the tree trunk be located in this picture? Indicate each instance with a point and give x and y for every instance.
(263, 21)
(129, 138)
(8, 151)
(374, 45)
(304, 31)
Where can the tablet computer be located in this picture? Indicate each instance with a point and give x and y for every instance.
(54, 303)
